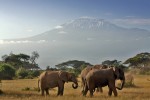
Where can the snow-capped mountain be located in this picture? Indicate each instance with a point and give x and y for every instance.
(84, 28)
(89, 39)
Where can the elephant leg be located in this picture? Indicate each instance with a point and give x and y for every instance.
(42, 92)
(82, 89)
(47, 92)
(85, 90)
(91, 92)
(83, 85)
(113, 88)
(101, 90)
(58, 91)
(110, 92)
(60, 88)
(115, 92)
(62, 91)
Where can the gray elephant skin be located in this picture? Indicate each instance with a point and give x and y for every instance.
(86, 70)
(51, 79)
(104, 77)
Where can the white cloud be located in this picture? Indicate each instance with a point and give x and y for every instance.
(21, 42)
(58, 27)
(62, 32)
(1, 42)
(41, 41)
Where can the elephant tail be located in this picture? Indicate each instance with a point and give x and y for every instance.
(38, 85)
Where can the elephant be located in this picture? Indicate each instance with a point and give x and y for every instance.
(104, 77)
(51, 79)
(85, 71)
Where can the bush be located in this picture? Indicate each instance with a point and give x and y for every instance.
(30, 89)
(6, 71)
(34, 73)
(129, 80)
(22, 73)
(129, 84)
(26, 89)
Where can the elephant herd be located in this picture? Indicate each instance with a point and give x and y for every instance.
(92, 77)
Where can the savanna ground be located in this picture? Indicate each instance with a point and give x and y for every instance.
(25, 89)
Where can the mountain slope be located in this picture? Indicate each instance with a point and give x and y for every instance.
(90, 28)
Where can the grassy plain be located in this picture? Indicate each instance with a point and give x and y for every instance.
(25, 89)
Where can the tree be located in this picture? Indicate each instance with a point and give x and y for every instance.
(72, 63)
(141, 59)
(4, 57)
(34, 56)
(21, 60)
(111, 62)
(48, 68)
(23, 57)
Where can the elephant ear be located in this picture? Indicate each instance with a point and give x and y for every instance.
(116, 72)
(63, 76)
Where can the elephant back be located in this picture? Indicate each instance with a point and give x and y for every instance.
(85, 71)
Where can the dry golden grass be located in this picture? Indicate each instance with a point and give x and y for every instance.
(13, 90)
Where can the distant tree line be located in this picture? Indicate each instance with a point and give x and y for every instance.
(141, 61)
(74, 66)
(21, 60)
(19, 66)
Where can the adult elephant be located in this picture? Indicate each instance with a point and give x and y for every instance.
(86, 70)
(51, 79)
(104, 77)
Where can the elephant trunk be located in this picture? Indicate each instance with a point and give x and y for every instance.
(122, 84)
(75, 85)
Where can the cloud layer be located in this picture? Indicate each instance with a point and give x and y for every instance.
(19, 42)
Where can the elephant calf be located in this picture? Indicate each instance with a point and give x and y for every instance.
(51, 79)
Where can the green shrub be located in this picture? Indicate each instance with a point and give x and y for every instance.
(26, 89)
(6, 71)
(22, 73)
(34, 73)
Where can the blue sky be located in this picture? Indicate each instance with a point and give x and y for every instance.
(25, 18)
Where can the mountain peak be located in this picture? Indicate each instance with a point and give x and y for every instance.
(88, 23)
